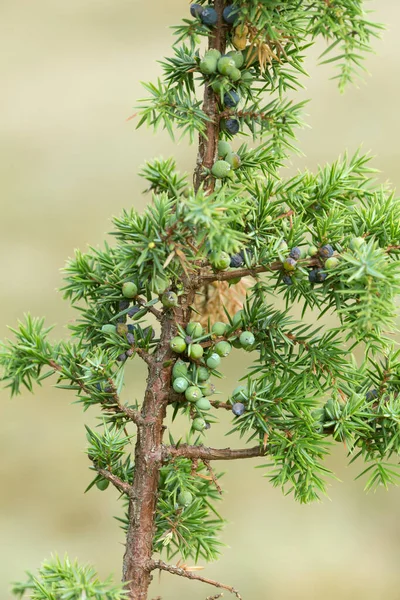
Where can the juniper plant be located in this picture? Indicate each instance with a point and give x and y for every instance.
(166, 292)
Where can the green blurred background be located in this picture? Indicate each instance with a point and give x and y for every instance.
(70, 75)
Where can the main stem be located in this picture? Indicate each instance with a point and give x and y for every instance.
(137, 564)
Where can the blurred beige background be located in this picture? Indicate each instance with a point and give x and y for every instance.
(68, 161)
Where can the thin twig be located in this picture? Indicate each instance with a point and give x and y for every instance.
(206, 454)
(122, 486)
(157, 313)
(159, 564)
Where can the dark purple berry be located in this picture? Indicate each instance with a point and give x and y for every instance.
(209, 16)
(326, 251)
(287, 280)
(371, 395)
(246, 253)
(132, 311)
(231, 125)
(130, 352)
(236, 261)
(189, 339)
(295, 253)
(312, 276)
(122, 357)
(321, 276)
(98, 387)
(238, 409)
(196, 10)
(231, 99)
(124, 304)
(146, 332)
(130, 338)
(230, 14)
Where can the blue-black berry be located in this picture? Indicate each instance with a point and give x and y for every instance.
(231, 99)
(317, 276)
(371, 395)
(209, 16)
(130, 338)
(196, 10)
(236, 261)
(287, 280)
(122, 357)
(295, 253)
(326, 251)
(230, 14)
(124, 304)
(238, 408)
(132, 311)
(231, 125)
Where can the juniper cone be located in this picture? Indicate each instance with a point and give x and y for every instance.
(304, 390)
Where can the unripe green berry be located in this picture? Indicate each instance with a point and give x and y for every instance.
(178, 344)
(179, 369)
(234, 160)
(224, 64)
(102, 484)
(169, 299)
(193, 393)
(196, 351)
(203, 404)
(208, 389)
(194, 329)
(109, 328)
(239, 392)
(129, 289)
(233, 73)
(312, 251)
(185, 498)
(237, 57)
(220, 260)
(283, 247)
(122, 329)
(223, 348)
(219, 328)
(208, 65)
(199, 424)
(247, 78)
(180, 385)
(224, 148)
(235, 280)
(220, 85)
(247, 339)
(213, 360)
(203, 374)
(221, 169)
(237, 318)
(213, 52)
(331, 263)
(356, 243)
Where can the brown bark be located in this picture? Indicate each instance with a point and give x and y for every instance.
(209, 141)
(204, 453)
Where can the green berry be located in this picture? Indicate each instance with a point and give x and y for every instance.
(178, 344)
(185, 498)
(208, 389)
(219, 328)
(213, 360)
(224, 64)
(213, 52)
(220, 260)
(203, 404)
(223, 348)
(312, 251)
(234, 160)
(247, 78)
(247, 339)
(220, 85)
(237, 57)
(221, 169)
(283, 247)
(239, 392)
(233, 73)
(129, 289)
(356, 243)
(122, 329)
(237, 318)
(102, 484)
(196, 351)
(194, 329)
(160, 284)
(169, 299)
(208, 65)
(331, 263)
(235, 280)
(180, 385)
(193, 393)
(203, 374)
(109, 328)
(224, 148)
(179, 369)
(199, 424)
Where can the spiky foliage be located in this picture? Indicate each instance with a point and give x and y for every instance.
(327, 241)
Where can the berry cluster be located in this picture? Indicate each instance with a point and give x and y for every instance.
(228, 161)
(317, 274)
(202, 352)
(208, 15)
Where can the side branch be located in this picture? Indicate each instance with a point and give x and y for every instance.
(159, 564)
(251, 271)
(121, 486)
(203, 453)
